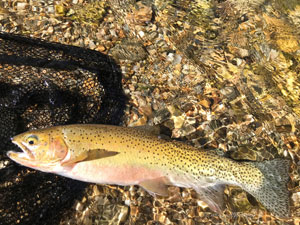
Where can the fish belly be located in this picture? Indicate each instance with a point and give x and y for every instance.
(102, 174)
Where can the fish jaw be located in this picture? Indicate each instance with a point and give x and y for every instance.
(22, 158)
(27, 153)
(25, 158)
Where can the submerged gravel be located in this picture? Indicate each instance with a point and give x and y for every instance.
(216, 74)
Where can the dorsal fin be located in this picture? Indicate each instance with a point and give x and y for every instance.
(154, 130)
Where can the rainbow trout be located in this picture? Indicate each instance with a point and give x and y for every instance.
(105, 154)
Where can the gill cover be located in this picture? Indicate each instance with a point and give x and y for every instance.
(45, 147)
(58, 149)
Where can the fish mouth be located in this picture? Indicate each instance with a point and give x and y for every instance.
(26, 153)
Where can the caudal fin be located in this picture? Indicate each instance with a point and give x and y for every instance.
(273, 194)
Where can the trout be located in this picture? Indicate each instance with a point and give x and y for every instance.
(105, 154)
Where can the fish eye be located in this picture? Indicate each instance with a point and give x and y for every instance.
(32, 139)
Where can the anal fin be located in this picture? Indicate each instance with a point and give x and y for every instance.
(213, 196)
(155, 186)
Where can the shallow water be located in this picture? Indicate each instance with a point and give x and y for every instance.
(216, 74)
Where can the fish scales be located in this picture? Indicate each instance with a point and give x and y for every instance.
(145, 149)
(107, 154)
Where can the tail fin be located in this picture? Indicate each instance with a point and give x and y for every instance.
(274, 194)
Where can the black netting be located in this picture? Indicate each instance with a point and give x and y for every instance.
(44, 84)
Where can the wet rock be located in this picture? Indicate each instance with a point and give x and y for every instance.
(230, 92)
(247, 51)
(161, 116)
(178, 121)
(187, 130)
(129, 50)
(296, 198)
(141, 14)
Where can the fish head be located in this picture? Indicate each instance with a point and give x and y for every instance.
(41, 149)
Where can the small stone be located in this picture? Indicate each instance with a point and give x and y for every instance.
(60, 9)
(177, 59)
(170, 57)
(239, 61)
(139, 122)
(152, 51)
(127, 202)
(243, 53)
(176, 133)
(123, 214)
(51, 9)
(296, 199)
(175, 111)
(21, 5)
(70, 12)
(187, 106)
(3, 164)
(190, 120)
(187, 130)
(185, 69)
(289, 45)
(141, 33)
(230, 92)
(96, 190)
(50, 29)
(126, 91)
(146, 110)
(101, 33)
(178, 121)
(92, 45)
(169, 124)
(205, 103)
(153, 35)
(79, 206)
(100, 48)
(161, 116)
(141, 15)
(134, 211)
(136, 68)
(129, 50)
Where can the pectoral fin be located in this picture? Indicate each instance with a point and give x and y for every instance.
(155, 186)
(89, 155)
(99, 154)
(72, 158)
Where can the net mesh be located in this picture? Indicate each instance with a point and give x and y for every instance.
(44, 84)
